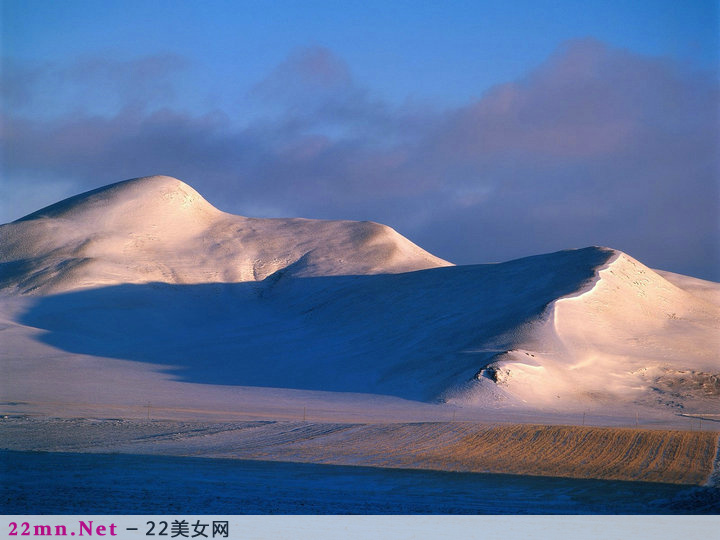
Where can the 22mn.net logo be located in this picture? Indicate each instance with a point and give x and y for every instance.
(85, 528)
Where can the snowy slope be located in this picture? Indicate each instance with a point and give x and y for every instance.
(159, 229)
(147, 273)
(631, 336)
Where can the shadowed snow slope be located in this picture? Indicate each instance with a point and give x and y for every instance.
(158, 229)
(147, 271)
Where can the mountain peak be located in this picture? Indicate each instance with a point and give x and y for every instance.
(128, 199)
(158, 228)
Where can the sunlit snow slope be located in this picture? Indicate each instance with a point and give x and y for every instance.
(629, 336)
(148, 271)
(159, 229)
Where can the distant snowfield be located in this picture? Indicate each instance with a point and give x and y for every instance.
(142, 299)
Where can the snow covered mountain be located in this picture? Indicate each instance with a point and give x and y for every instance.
(159, 229)
(147, 271)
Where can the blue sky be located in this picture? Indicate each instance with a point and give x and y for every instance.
(481, 130)
(445, 51)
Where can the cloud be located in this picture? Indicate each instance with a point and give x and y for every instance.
(595, 146)
(89, 85)
(309, 73)
(17, 82)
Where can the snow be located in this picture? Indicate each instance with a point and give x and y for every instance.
(142, 292)
(159, 229)
(633, 337)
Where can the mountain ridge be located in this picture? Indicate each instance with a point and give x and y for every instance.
(146, 270)
(160, 229)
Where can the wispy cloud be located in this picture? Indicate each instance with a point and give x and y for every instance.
(595, 146)
(89, 85)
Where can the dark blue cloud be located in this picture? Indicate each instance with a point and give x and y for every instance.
(595, 146)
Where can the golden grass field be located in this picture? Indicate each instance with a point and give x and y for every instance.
(631, 454)
(591, 452)
(680, 457)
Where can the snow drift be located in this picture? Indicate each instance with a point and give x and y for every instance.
(146, 270)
